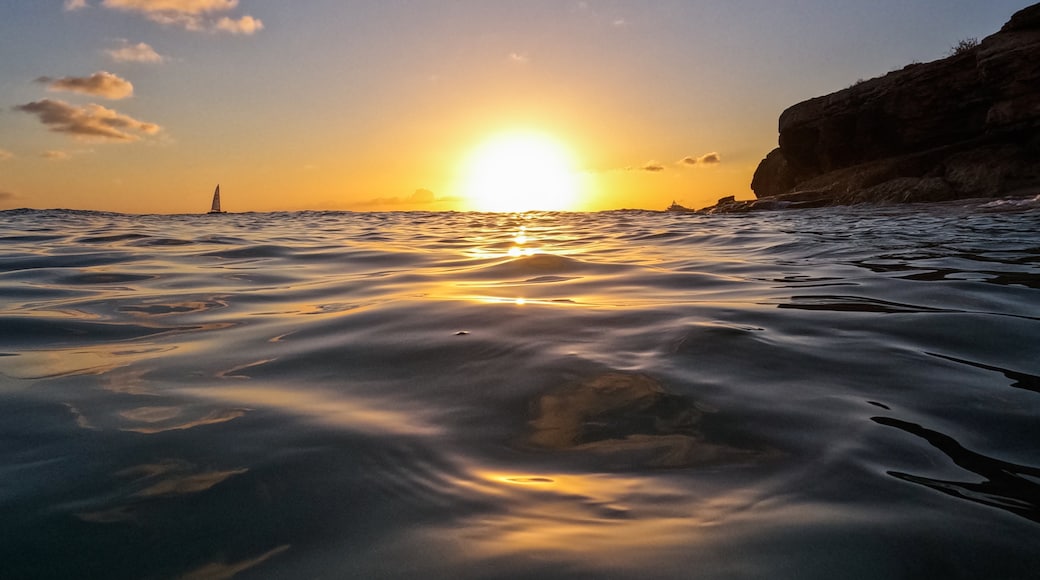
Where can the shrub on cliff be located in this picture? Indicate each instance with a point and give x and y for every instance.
(966, 45)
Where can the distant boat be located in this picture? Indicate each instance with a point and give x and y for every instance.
(215, 208)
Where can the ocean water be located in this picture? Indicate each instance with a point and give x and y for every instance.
(831, 393)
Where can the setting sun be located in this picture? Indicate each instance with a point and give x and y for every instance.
(520, 172)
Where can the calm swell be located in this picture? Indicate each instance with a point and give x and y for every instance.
(833, 393)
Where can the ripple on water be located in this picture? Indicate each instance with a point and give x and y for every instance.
(628, 421)
(844, 392)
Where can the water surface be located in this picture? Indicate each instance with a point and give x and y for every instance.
(833, 393)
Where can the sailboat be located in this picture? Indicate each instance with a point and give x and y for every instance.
(215, 208)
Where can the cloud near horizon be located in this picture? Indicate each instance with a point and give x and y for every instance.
(195, 15)
(712, 158)
(101, 84)
(652, 166)
(89, 122)
(140, 52)
(418, 197)
(5, 155)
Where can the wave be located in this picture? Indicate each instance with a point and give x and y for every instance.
(622, 394)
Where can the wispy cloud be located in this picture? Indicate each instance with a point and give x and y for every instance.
(519, 58)
(101, 84)
(712, 158)
(652, 166)
(90, 122)
(140, 52)
(72, 5)
(198, 15)
(422, 196)
(55, 155)
(418, 198)
(245, 25)
(172, 6)
(5, 155)
(599, 14)
(8, 196)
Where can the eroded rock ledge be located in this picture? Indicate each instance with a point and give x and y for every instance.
(966, 126)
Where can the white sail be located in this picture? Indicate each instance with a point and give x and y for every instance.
(215, 208)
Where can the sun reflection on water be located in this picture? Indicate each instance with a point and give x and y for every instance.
(519, 245)
(511, 233)
(600, 520)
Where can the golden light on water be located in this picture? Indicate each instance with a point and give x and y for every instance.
(521, 171)
(604, 521)
(519, 245)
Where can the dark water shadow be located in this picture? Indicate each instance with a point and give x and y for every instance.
(1021, 380)
(835, 303)
(923, 273)
(105, 239)
(838, 303)
(1007, 486)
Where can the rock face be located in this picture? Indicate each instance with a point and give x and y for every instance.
(964, 126)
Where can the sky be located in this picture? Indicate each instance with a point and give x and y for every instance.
(143, 106)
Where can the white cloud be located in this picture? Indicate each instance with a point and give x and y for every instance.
(55, 155)
(72, 5)
(102, 84)
(245, 25)
(139, 52)
(172, 6)
(89, 122)
(197, 15)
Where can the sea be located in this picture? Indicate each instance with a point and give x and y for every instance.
(808, 394)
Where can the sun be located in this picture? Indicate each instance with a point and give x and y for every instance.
(520, 171)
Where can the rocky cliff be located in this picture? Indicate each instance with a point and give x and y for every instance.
(964, 126)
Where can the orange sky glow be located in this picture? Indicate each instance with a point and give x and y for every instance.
(142, 106)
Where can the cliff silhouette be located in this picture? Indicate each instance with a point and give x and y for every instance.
(965, 126)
